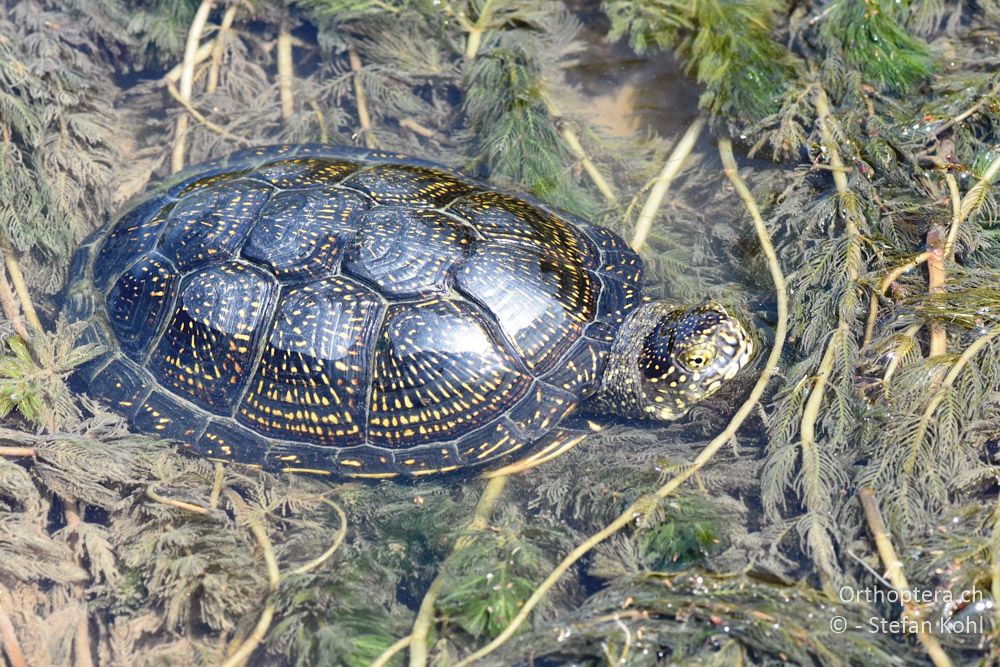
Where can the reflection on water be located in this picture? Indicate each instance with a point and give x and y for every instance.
(627, 94)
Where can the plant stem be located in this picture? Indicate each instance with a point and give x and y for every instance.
(10, 309)
(15, 452)
(476, 31)
(415, 127)
(995, 566)
(595, 175)
(198, 116)
(390, 652)
(324, 135)
(285, 72)
(187, 80)
(11, 647)
(81, 640)
(362, 100)
(896, 576)
(203, 53)
(977, 194)
(20, 287)
(935, 285)
(810, 412)
(575, 147)
(250, 644)
(423, 622)
(170, 502)
(889, 279)
(639, 507)
(971, 110)
(956, 216)
(671, 168)
(218, 48)
(941, 393)
(337, 541)
(893, 364)
(217, 482)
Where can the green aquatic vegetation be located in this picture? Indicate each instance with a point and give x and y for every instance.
(489, 579)
(874, 41)
(33, 376)
(726, 45)
(343, 11)
(960, 557)
(340, 611)
(158, 28)
(686, 535)
(657, 616)
(510, 128)
(59, 138)
(885, 118)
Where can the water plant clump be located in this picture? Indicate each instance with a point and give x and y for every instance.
(868, 154)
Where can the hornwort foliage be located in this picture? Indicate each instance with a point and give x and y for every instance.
(881, 123)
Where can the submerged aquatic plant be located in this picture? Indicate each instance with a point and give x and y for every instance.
(726, 44)
(883, 209)
(33, 379)
(60, 138)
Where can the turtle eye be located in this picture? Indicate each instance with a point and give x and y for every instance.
(698, 358)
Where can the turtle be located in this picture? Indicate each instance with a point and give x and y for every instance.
(365, 314)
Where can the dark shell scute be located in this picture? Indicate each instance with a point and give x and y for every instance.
(227, 441)
(618, 298)
(422, 460)
(490, 443)
(209, 225)
(301, 234)
(123, 384)
(408, 185)
(203, 182)
(541, 303)
(505, 218)
(169, 418)
(93, 333)
(312, 379)
(304, 172)
(407, 252)
(361, 461)
(579, 371)
(138, 302)
(208, 347)
(135, 233)
(542, 409)
(625, 266)
(438, 372)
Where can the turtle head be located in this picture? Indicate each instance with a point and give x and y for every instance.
(687, 356)
(667, 358)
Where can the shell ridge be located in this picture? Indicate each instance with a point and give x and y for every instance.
(270, 318)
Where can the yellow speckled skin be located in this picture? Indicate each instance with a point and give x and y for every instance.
(349, 312)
